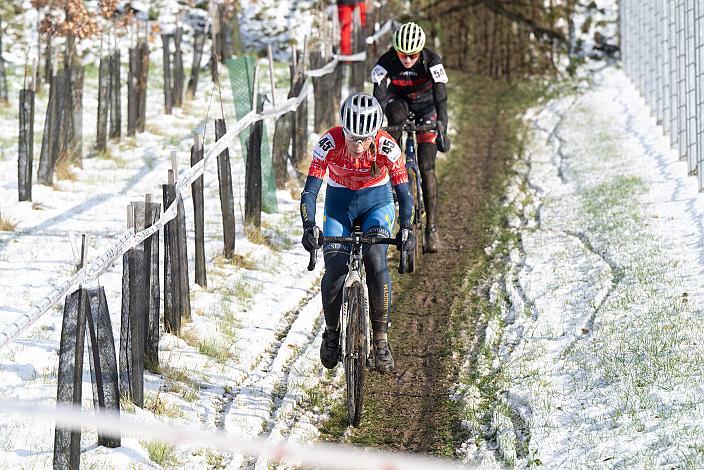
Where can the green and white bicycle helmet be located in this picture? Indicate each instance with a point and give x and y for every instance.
(361, 116)
(409, 38)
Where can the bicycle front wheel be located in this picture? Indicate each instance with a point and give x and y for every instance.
(414, 256)
(356, 348)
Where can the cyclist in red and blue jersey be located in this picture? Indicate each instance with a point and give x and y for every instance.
(363, 163)
(411, 77)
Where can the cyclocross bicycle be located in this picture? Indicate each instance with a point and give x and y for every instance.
(414, 179)
(355, 333)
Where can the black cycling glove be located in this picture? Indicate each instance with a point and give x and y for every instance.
(405, 240)
(310, 236)
(442, 140)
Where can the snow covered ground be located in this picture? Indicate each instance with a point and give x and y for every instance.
(247, 360)
(598, 346)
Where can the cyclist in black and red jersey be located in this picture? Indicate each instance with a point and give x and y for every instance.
(411, 77)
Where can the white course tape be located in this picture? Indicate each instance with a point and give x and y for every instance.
(313, 455)
(129, 239)
(384, 29)
(358, 57)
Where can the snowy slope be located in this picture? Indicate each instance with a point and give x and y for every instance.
(600, 360)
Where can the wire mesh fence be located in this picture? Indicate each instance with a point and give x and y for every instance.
(662, 43)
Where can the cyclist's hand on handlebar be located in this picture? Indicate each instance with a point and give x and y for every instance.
(311, 233)
(442, 140)
(405, 240)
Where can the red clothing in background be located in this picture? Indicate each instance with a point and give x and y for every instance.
(345, 12)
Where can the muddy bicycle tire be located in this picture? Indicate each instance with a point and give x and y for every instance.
(356, 347)
(414, 256)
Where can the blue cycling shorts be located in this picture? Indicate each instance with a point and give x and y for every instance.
(371, 208)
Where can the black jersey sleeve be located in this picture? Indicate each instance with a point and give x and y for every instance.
(380, 79)
(439, 77)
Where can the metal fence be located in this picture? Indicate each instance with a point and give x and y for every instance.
(662, 44)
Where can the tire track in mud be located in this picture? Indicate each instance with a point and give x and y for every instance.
(411, 409)
(254, 406)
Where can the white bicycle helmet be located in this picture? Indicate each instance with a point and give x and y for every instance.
(409, 38)
(361, 115)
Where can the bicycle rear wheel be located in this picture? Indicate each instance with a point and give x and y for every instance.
(356, 347)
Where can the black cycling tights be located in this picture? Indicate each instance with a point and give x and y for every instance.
(426, 161)
(378, 284)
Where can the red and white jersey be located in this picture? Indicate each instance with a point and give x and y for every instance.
(345, 170)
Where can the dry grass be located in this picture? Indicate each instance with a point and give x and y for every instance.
(158, 405)
(255, 235)
(62, 168)
(294, 188)
(7, 224)
(189, 336)
(237, 261)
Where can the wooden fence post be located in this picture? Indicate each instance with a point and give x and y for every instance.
(44, 171)
(132, 90)
(198, 42)
(116, 96)
(172, 282)
(25, 149)
(59, 119)
(142, 83)
(145, 214)
(323, 89)
(151, 342)
(280, 149)
(103, 361)
(65, 123)
(198, 215)
(75, 122)
(104, 90)
(178, 69)
(168, 96)
(253, 171)
(300, 116)
(48, 62)
(227, 200)
(225, 34)
(135, 309)
(67, 444)
(282, 142)
(184, 288)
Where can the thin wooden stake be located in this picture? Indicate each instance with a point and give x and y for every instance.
(271, 75)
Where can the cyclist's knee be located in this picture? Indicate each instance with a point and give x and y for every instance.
(426, 155)
(375, 260)
(396, 111)
(335, 266)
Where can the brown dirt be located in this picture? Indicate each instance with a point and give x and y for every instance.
(410, 409)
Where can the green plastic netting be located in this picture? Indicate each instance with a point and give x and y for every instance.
(241, 70)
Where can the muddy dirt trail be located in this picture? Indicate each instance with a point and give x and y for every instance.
(410, 409)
